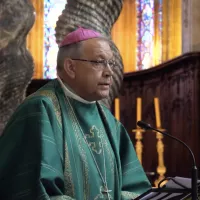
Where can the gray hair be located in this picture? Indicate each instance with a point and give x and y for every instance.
(72, 50)
(67, 52)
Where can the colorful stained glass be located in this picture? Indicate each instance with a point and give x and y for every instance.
(52, 10)
(145, 33)
(160, 25)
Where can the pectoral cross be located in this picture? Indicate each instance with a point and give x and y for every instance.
(105, 190)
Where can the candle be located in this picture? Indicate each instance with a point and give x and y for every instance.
(139, 109)
(157, 112)
(117, 109)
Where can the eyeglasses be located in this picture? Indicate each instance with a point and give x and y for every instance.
(100, 64)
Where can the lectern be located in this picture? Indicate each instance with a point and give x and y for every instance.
(177, 188)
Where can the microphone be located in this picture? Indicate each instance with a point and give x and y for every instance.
(146, 126)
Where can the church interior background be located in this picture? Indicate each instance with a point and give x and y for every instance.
(159, 43)
(147, 33)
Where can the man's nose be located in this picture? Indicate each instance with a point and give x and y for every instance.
(108, 71)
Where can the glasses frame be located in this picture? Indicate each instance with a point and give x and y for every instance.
(105, 63)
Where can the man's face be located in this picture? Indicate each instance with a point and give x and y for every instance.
(93, 80)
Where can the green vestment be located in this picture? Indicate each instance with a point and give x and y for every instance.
(55, 147)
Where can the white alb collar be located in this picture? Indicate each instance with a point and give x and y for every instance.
(71, 94)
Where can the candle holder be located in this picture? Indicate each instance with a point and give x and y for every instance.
(139, 145)
(161, 169)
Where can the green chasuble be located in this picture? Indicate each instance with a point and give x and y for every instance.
(55, 147)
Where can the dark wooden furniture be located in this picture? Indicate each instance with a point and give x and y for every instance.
(177, 84)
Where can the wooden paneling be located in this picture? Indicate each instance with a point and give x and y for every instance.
(176, 84)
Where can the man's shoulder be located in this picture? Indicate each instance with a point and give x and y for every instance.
(45, 93)
(45, 97)
(43, 104)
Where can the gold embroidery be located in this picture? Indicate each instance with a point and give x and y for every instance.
(52, 97)
(129, 195)
(93, 141)
(108, 150)
(69, 187)
(82, 152)
(61, 198)
(102, 130)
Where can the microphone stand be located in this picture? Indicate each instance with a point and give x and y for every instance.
(194, 179)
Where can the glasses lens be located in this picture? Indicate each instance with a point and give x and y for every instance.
(111, 63)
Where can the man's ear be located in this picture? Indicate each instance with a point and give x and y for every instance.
(69, 68)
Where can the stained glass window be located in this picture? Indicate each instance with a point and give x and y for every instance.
(52, 10)
(160, 26)
(147, 15)
(145, 33)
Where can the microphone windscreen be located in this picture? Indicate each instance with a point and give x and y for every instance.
(144, 125)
